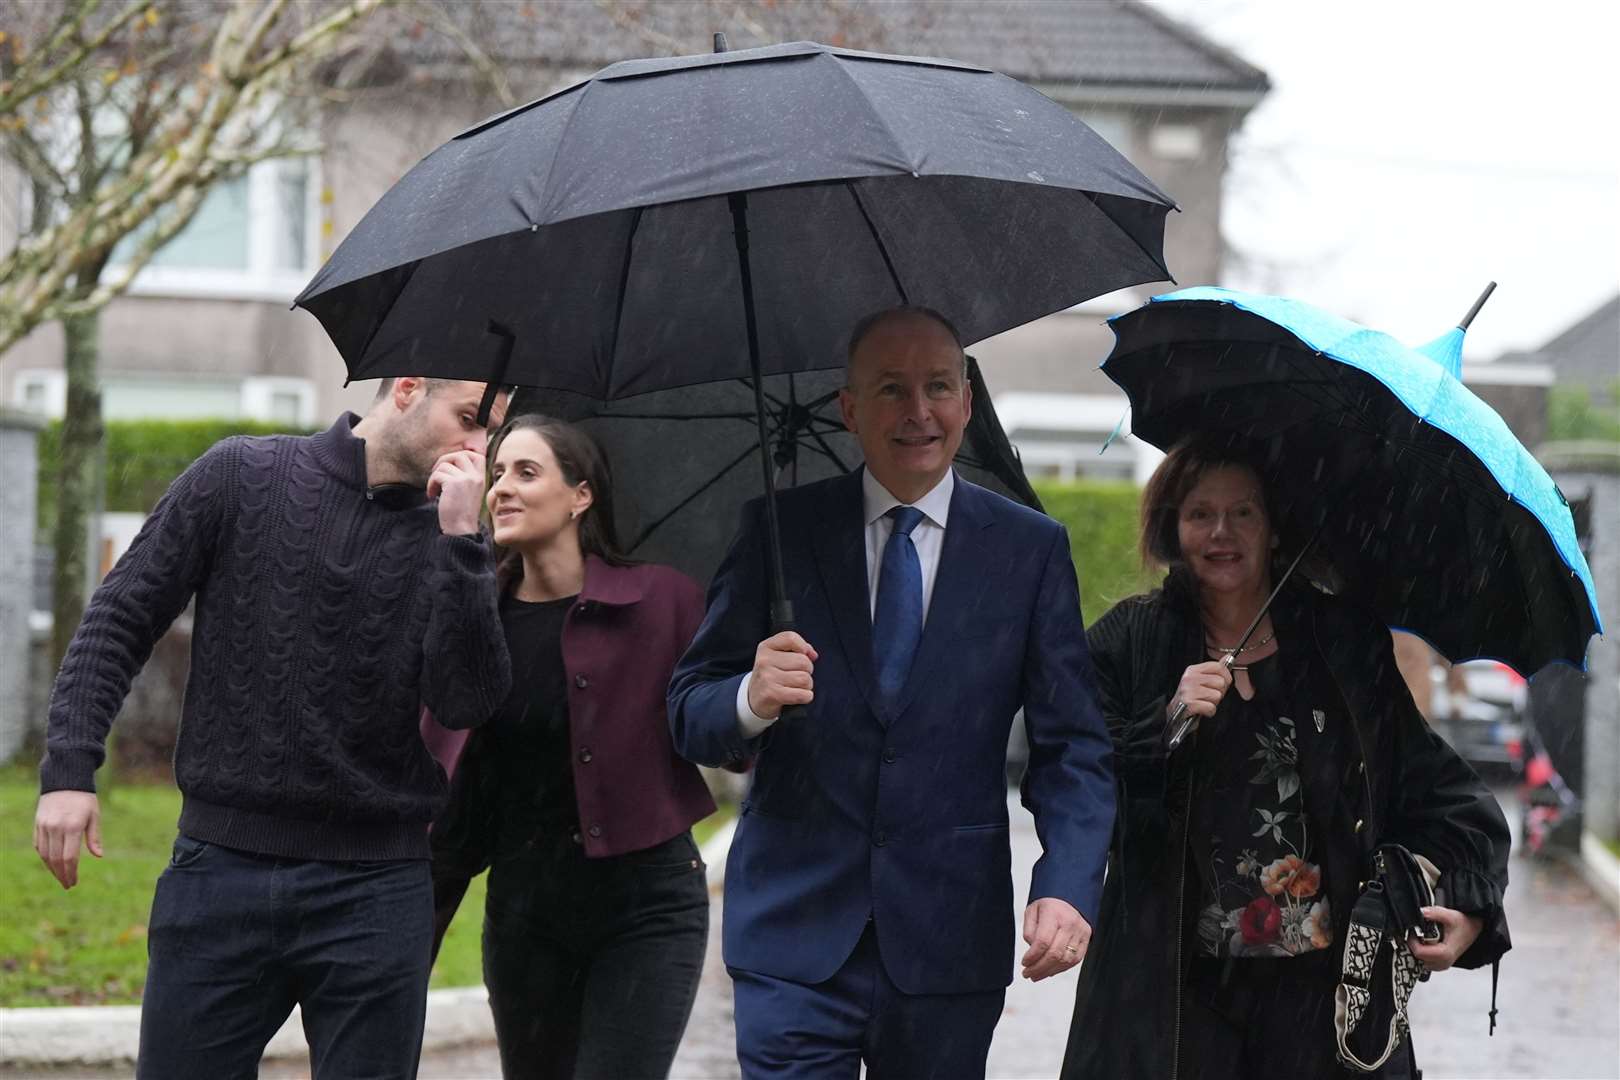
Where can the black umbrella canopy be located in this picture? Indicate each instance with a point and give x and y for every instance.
(1410, 521)
(594, 224)
(683, 460)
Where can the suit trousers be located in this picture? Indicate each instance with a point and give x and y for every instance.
(823, 1032)
(236, 940)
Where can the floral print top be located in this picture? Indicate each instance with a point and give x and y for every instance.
(1261, 889)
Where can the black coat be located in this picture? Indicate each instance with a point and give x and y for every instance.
(1374, 773)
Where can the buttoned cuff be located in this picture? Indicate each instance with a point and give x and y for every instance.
(751, 723)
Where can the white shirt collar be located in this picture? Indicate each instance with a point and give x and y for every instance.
(936, 505)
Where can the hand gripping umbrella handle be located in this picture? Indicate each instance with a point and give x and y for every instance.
(1181, 721)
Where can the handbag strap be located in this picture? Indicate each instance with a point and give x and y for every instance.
(1366, 935)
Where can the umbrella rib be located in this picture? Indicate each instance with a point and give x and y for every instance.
(828, 450)
(883, 250)
(641, 537)
(392, 304)
(624, 278)
(1157, 260)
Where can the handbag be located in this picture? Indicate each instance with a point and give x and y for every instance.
(1378, 972)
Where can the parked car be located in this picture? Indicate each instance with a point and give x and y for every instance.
(1479, 708)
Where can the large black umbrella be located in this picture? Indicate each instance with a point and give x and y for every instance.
(680, 221)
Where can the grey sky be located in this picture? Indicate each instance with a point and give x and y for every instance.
(1411, 151)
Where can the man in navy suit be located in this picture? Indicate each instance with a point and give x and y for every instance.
(868, 908)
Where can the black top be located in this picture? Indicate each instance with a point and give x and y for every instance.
(529, 751)
(1260, 882)
(328, 613)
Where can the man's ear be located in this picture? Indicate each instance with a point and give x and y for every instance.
(406, 389)
(846, 406)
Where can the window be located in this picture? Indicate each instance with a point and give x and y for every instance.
(139, 396)
(252, 238)
(39, 391)
(1114, 125)
(1175, 142)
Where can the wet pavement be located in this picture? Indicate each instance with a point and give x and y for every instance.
(1559, 1000)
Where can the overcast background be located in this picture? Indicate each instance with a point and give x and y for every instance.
(1409, 152)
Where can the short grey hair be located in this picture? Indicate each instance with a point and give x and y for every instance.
(386, 387)
(871, 322)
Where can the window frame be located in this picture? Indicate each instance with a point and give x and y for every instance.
(261, 279)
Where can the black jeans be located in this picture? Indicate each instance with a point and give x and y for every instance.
(593, 964)
(236, 940)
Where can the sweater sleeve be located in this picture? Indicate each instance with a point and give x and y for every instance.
(466, 671)
(166, 563)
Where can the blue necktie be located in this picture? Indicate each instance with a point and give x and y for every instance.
(897, 621)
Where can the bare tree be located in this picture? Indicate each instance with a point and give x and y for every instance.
(122, 117)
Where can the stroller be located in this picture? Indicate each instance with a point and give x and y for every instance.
(1547, 800)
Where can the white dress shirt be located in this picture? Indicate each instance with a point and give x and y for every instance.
(928, 538)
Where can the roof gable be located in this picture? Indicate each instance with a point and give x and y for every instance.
(1082, 43)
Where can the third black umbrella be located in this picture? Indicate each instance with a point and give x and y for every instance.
(683, 458)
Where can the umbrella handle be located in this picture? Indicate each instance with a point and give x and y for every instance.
(1180, 721)
(1180, 718)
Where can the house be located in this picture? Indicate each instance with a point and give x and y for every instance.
(1586, 354)
(207, 331)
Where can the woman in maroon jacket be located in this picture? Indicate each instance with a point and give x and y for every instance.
(597, 913)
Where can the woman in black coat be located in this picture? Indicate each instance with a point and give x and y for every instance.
(1237, 858)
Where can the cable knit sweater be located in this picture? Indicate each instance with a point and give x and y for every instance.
(328, 613)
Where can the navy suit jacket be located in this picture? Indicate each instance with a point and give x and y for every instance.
(899, 814)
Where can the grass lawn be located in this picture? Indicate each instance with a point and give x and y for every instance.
(87, 946)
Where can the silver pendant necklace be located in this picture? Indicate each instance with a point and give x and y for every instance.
(1234, 652)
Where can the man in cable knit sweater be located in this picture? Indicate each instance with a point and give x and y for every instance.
(341, 583)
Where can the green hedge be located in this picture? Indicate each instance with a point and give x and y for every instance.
(1101, 518)
(1572, 414)
(143, 458)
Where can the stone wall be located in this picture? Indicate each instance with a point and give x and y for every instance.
(1592, 471)
(19, 457)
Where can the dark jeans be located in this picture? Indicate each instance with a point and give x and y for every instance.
(1267, 1017)
(793, 1031)
(593, 964)
(236, 940)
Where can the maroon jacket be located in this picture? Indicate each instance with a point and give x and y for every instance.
(620, 642)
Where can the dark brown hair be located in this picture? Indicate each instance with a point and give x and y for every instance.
(1160, 541)
(580, 460)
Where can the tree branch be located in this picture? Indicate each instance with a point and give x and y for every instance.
(33, 159)
(481, 61)
(627, 22)
(304, 42)
(23, 86)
